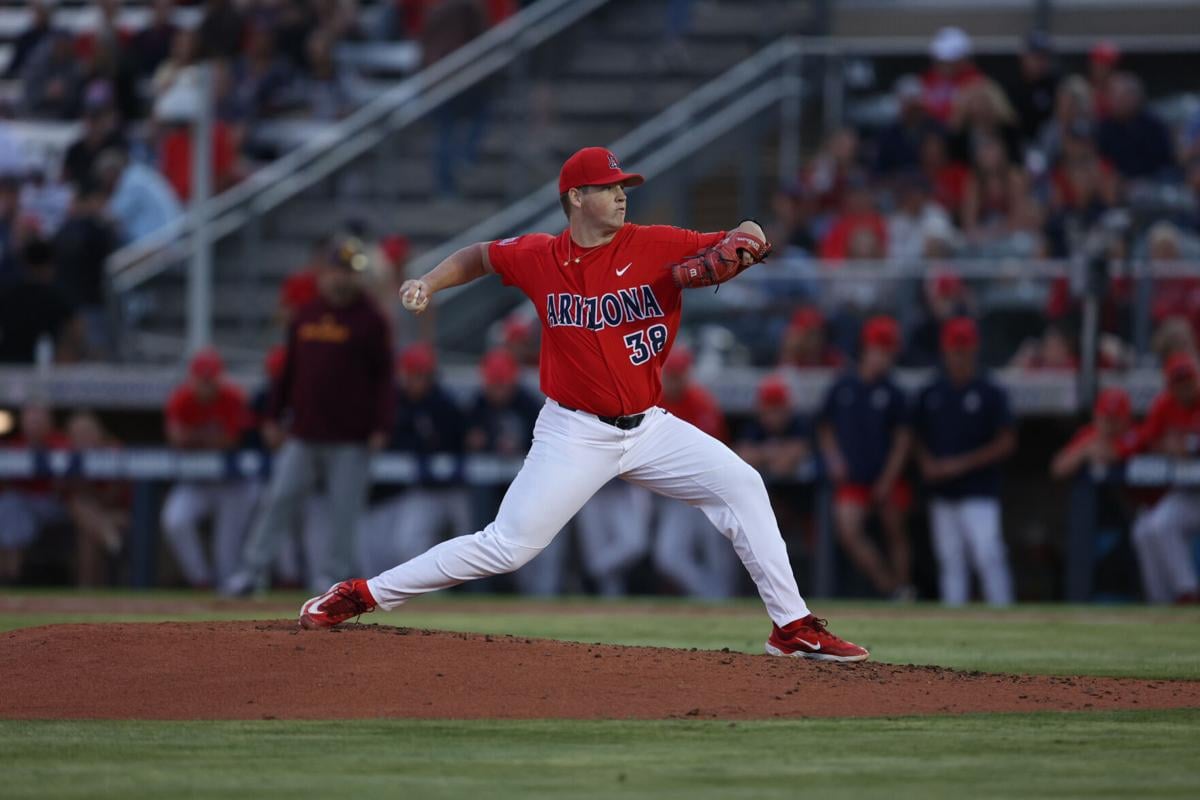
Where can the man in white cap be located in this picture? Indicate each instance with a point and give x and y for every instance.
(951, 71)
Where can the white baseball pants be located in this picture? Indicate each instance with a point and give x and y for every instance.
(614, 533)
(1160, 537)
(572, 456)
(231, 505)
(966, 533)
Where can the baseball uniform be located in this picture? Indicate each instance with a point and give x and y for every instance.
(609, 315)
(951, 420)
(864, 419)
(1160, 535)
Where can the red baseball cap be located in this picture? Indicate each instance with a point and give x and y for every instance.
(947, 284)
(1113, 403)
(679, 362)
(499, 366)
(1180, 365)
(881, 331)
(960, 333)
(594, 166)
(276, 357)
(206, 364)
(517, 330)
(773, 392)
(807, 318)
(1105, 52)
(417, 359)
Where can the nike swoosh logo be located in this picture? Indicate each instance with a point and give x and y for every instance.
(623, 269)
(810, 645)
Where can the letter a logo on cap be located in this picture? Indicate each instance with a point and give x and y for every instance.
(612, 162)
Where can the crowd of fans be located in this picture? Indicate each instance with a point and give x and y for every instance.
(968, 168)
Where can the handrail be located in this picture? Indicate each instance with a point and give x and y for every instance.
(478, 59)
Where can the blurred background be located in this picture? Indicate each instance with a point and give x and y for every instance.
(179, 180)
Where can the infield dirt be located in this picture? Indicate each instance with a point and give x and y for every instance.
(272, 670)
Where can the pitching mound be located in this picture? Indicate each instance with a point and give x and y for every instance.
(271, 670)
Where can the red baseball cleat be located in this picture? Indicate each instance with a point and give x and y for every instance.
(808, 638)
(343, 601)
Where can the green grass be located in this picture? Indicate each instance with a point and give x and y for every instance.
(1060, 640)
(1131, 754)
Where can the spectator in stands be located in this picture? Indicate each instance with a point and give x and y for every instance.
(804, 342)
(52, 79)
(793, 208)
(1053, 351)
(36, 318)
(222, 30)
(1174, 294)
(898, 149)
(99, 509)
(1102, 70)
(152, 45)
(1161, 535)
(917, 220)
(448, 26)
(1102, 442)
(1073, 108)
(864, 433)
(1132, 137)
(830, 172)
(45, 202)
(1174, 335)
(964, 429)
(947, 178)
(184, 53)
(101, 131)
(139, 198)
(337, 384)
(263, 84)
(81, 248)
(41, 27)
(858, 231)
(687, 550)
(776, 441)
(295, 23)
(952, 71)
(1082, 184)
(28, 505)
(996, 192)
(428, 423)
(982, 113)
(944, 296)
(207, 413)
(104, 50)
(328, 90)
(175, 150)
(1033, 94)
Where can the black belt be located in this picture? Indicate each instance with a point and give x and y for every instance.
(625, 423)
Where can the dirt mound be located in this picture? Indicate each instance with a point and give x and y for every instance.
(251, 670)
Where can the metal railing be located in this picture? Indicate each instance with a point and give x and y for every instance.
(383, 116)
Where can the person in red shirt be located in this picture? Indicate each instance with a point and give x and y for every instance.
(859, 231)
(28, 505)
(1102, 441)
(951, 71)
(1160, 535)
(686, 552)
(609, 296)
(207, 413)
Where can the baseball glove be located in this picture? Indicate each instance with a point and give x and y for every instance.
(720, 262)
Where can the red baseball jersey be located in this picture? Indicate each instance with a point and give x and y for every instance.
(609, 313)
(1167, 415)
(228, 410)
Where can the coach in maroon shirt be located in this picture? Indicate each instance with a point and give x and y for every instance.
(330, 409)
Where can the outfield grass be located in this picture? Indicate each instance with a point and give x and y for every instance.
(1129, 754)
(1059, 640)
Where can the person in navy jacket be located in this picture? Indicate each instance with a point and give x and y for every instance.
(964, 430)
